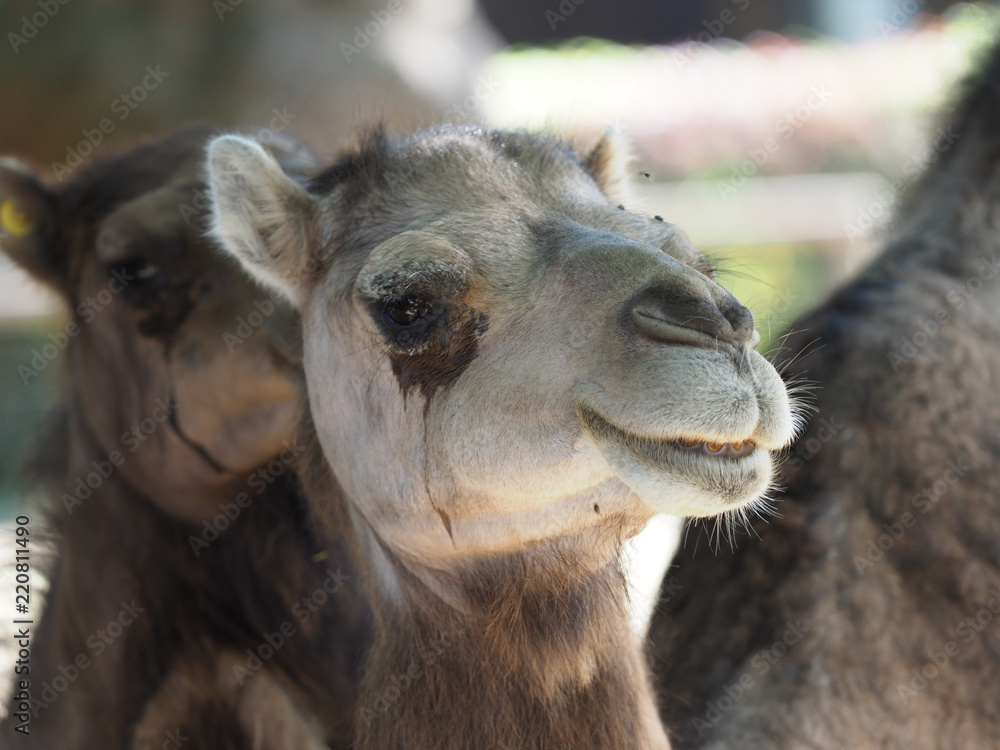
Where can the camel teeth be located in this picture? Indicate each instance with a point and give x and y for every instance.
(713, 447)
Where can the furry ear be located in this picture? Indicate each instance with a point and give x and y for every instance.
(260, 215)
(28, 223)
(608, 163)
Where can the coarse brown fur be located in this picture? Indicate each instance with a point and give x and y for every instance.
(538, 663)
(537, 659)
(868, 614)
(177, 666)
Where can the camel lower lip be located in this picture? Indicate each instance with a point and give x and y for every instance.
(660, 451)
(688, 477)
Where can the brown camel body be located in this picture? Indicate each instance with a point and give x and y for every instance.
(163, 625)
(868, 614)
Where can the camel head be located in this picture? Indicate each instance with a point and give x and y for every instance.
(180, 362)
(498, 354)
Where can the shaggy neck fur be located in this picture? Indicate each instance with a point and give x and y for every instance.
(205, 611)
(886, 554)
(530, 649)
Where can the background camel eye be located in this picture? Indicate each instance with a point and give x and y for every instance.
(138, 271)
(407, 312)
(148, 288)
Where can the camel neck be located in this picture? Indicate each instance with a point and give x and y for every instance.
(535, 657)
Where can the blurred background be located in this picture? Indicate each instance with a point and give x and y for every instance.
(778, 134)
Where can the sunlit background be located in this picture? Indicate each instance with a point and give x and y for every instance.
(777, 133)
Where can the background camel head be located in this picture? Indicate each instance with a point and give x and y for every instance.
(496, 353)
(180, 363)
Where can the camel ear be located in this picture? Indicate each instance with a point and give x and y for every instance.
(608, 163)
(260, 215)
(28, 223)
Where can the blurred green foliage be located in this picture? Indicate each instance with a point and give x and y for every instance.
(777, 283)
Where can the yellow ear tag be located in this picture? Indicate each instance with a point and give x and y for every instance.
(14, 221)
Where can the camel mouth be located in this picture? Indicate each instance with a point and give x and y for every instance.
(199, 449)
(683, 475)
(663, 450)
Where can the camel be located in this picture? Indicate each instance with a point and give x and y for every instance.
(508, 374)
(191, 603)
(865, 616)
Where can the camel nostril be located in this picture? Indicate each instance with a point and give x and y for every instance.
(741, 321)
(685, 317)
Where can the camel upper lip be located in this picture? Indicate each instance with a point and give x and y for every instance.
(655, 448)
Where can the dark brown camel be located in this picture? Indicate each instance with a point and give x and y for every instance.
(868, 614)
(177, 421)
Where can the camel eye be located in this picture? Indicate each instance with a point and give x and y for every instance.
(407, 312)
(142, 282)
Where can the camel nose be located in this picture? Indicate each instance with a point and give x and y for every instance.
(672, 316)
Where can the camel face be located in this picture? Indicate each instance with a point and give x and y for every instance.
(201, 330)
(496, 354)
(189, 367)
